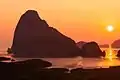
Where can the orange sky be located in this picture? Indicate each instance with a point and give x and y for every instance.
(78, 19)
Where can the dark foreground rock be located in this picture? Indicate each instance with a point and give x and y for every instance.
(22, 69)
(4, 58)
(92, 49)
(14, 72)
(33, 37)
(33, 63)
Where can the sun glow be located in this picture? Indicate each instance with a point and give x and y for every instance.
(110, 28)
(110, 53)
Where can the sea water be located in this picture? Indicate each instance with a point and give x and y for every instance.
(79, 62)
(76, 62)
(83, 62)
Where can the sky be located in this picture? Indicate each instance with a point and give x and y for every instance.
(82, 20)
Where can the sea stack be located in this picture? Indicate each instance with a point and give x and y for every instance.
(116, 44)
(33, 37)
(92, 49)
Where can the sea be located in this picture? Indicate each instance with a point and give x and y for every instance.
(76, 62)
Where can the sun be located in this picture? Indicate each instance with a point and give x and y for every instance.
(110, 28)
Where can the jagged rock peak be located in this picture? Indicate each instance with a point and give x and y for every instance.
(31, 14)
(31, 18)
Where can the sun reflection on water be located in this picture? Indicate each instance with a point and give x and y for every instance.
(110, 58)
(110, 54)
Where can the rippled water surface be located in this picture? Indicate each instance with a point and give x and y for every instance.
(83, 62)
(79, 62)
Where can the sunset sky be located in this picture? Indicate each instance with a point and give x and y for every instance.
(79, 19)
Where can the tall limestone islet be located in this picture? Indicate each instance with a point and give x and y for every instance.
(33, 37)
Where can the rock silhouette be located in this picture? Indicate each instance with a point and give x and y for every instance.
(27, 64)
(116, 44)
(9, 51)
(91, 49)
(4, 58)
(22, 71)
(33, 37)
(33, 63)
(80, 44)
(118, 54)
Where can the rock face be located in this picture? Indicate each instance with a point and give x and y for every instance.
(33, 37)
(116, 44)
(92, 49)
(118, 54)
(80, 44)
